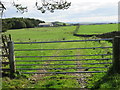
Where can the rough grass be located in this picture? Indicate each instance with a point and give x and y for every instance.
(108, 81)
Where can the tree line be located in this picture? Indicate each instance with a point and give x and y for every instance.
(18, 23)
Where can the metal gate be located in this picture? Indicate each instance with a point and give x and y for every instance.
(53, 57)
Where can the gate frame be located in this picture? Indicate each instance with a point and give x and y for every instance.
(11, 58)
(115, 65)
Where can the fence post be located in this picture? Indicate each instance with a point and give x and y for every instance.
(11, 58)
(116, 54)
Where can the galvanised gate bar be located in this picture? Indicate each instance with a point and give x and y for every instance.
(17, 62)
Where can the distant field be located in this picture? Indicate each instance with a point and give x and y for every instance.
(42, 34)
(97, 29)
(58, 33)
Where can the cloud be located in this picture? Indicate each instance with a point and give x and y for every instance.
(96, 19)
(79, 1)
(80, 11)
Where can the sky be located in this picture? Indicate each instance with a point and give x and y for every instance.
(79, 11)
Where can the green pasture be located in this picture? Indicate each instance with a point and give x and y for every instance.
(59, 34)
(97, 29)
(42, 34)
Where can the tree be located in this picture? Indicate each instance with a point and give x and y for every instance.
(64, 24)
(43, 6)
(5, 26)
(29, 24)
(19, 25)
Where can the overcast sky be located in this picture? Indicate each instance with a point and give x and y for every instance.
(80, 11)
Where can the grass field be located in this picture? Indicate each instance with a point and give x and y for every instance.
(57, 34)
(97, 29)
(42, 34)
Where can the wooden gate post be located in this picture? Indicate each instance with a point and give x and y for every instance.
(116, 54)
(11, 58)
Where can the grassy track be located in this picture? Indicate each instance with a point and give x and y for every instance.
(58, 34)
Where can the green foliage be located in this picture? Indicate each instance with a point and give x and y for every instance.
(64, 24)
(57, 23)
(5, 25)
(28, 24)
(18, 23)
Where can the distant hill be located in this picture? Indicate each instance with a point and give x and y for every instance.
(57, 23)
(91, 23)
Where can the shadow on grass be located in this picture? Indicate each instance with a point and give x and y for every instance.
(110, 80)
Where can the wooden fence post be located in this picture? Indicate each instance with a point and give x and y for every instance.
(116, 54)
(11, 58)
